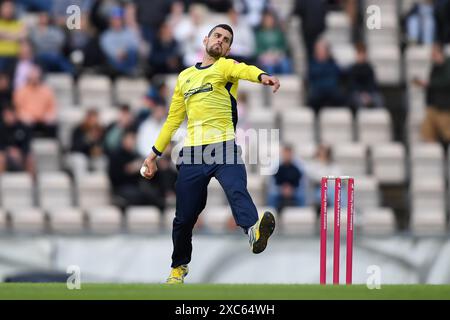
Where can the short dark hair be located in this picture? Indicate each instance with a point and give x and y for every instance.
(223, 26)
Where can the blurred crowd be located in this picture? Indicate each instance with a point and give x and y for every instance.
(143, 38)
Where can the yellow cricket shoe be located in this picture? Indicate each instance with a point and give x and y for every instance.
(177, 274)
(260, 232)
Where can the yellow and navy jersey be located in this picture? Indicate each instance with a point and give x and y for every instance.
(207, 96)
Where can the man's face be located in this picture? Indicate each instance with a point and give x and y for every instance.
(218, 43)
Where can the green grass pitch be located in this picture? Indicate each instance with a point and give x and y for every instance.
(59, 291)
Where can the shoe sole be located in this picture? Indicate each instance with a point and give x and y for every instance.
(266, 227)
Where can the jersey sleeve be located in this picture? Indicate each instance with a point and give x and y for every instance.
(177, 113)
(234, 70)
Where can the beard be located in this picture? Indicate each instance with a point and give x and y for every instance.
(215, 51)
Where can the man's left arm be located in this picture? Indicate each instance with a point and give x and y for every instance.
(234, 70)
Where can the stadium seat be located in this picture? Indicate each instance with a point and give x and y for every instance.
(95, 91)
(68, 119)
(215, 218)
(428, 194)
(17, 190)
(262, 119)
(143, 219)
(298, 126)
(67, 220)
(256, 187)
(3, 220)
(46, 154)
(336, 125)
(338, 27)
(93, 189)
(27, 220)
(305, 151)
(77, 163)
(216, 194)
(104, 219)
(168, 216)
(386, 62)
(54, 189)
(351, 158)
(388, 161)
(290, 94)
(298, 221)
(428, 222)
(418, 62)
(374, 126)
(62, 85)
(367, 194)
(376, 221)
(131, 91)
(427, 161)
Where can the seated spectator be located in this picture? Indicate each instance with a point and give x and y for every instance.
(271, 46)
(436, 125)
(115, 131)
(87, 138)
(35, 105)
(323, 79)
(363, 87)
(287, 187)
(5, 91)
(15, 141)
(148, 130)
(127, 183)
(120, 45)
(24, 64)
(420, 23)
(12, 31)
(243, 48)
(165, 56)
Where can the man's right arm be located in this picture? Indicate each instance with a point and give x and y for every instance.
(177, 113)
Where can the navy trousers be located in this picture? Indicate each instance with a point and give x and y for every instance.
(191, 194)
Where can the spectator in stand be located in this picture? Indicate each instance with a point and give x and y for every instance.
(420, 23)
(442, 18)
(5, 91)
(436, 125)
(127, 183)
(189, 33)
(120, 45)
(115, 131)
(12, 31)
(165, 56)
(157, 94)
(271, 46)
(312, 14)
(24, 65)
(324, 76)
(48, 41)
(243, 49)
(148, 130)
(15, 140)
(287, 187)
(252, 10)
(363, 87)
(87, 139)
(219, 6)
(35, 104)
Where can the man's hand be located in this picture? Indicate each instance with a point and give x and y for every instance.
(270, 81)
(150, 164)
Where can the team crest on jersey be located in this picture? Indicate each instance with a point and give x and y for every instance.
(207, 87)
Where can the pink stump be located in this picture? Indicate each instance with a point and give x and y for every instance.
(350, 215)
(337, 229)
(323, 230)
